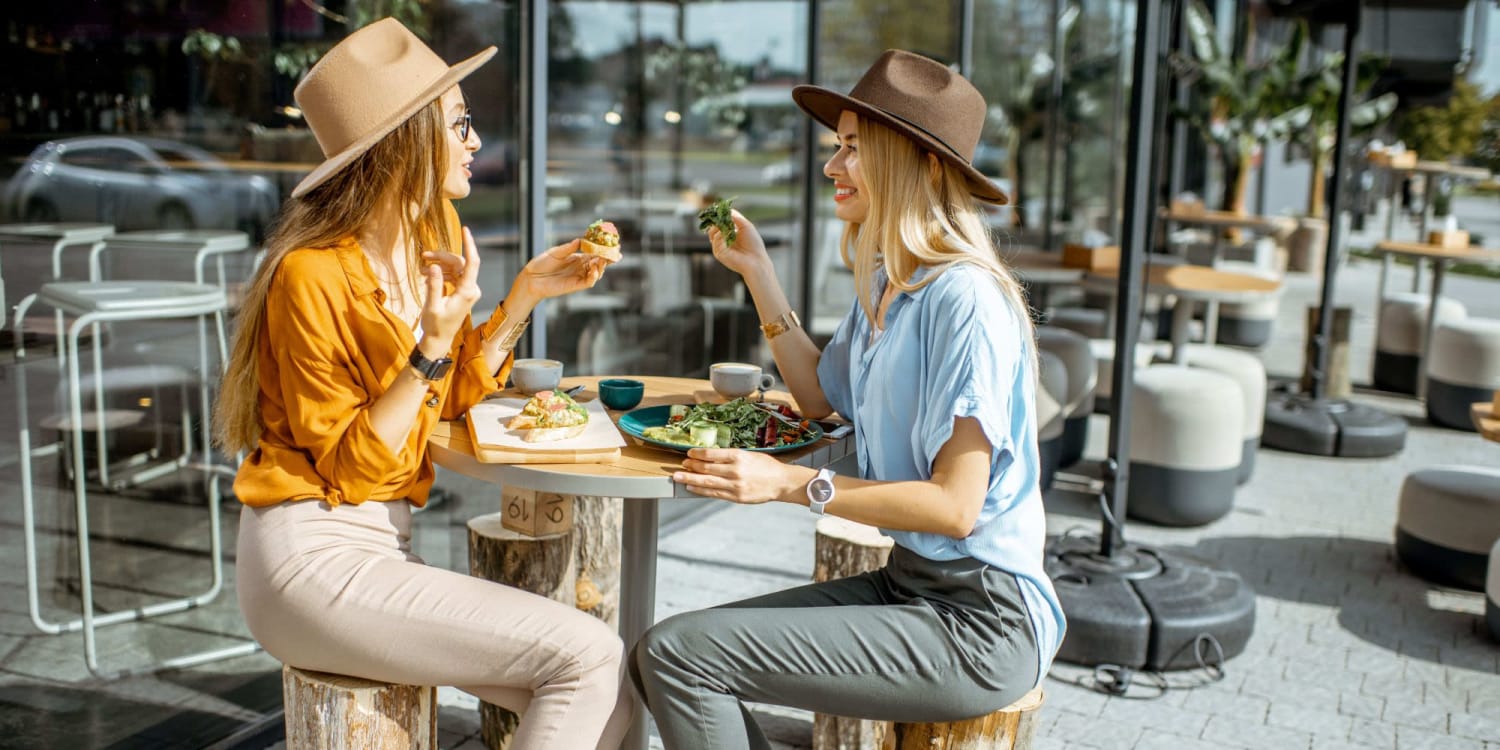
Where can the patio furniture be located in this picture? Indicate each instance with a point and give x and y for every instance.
(1010, 728)
(1085, 321)
(1492, 592)
(1249, 323)
(1447, 520)
(1441, 258)
(1246, 370)
(1083, 375)
(1463, 367)
(1185, 445)
(1486, 417)
(1051, 395)
(1103, 351)
(1276, 227)
(642, 475)
(120, 301)
(1400, 336)
(334, 712)
(1192, 285)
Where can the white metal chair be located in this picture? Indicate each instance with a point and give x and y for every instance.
(93, 303)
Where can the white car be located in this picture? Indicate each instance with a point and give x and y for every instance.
(137, 183)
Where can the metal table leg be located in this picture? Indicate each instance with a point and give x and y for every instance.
(1439, 267)
(638, 588)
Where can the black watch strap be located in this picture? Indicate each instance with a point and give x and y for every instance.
(429, 369)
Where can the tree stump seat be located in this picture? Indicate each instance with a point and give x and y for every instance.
(338, 712)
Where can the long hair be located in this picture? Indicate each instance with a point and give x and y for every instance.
(407, 168)
(918, 220)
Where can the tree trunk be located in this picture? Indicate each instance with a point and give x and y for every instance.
(1317, 197)
(335, 712)
(596, 529)
(540, 565)
(845, 548)
(1010, 728)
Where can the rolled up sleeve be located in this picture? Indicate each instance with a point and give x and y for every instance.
(327, 407)
(472, 378)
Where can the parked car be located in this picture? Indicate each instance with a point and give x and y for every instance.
(137, 183)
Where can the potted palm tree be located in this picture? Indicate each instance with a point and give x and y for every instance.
(1316, 87)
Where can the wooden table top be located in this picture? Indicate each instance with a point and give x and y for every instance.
(637, 461)
(1439, 167)
(1486, 417)
(1424, 250)
(1040, 266)
(1214, 218)
(1199, 281)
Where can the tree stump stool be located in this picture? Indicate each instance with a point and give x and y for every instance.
(845, 548)
(335, 712)
(1010, 728)
(541, 565)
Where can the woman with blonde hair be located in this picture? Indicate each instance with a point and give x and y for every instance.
(353, 340)
(935, 366)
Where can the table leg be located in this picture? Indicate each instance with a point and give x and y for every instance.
(1182, 324)
(637, 588)
(1438, 269)
(1390, 204)
(1210, 322)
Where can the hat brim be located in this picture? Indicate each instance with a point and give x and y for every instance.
(344, 158)
(827, 105)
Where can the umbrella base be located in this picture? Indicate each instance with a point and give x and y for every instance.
(1331, 427)
(1147, 608)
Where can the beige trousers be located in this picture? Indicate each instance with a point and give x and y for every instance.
(338, 590)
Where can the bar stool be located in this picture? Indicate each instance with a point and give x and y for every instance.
(120, 301)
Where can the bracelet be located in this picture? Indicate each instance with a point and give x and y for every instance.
(509, 342)
(785, 322)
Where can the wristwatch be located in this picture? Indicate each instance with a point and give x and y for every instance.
(429, 369)
(820, 491)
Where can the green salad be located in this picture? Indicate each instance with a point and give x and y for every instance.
(736, 424)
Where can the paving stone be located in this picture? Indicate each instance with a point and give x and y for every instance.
(1089, 730)
(1416, 715)
(1154, 739)
(1475, 726)
(1156, 714)
(1228, 731)
(1409, 738)
(1318, 722)
(1447, 697)
(1376, 735)
(1219, 703)
(1361, 706)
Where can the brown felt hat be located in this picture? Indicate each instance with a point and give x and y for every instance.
(919, 98)
(365, 87)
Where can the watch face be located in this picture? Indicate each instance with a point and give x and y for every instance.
(821, 490)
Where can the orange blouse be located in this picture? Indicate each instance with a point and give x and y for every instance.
(328, 350)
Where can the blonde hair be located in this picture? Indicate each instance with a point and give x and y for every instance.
(916, 219)
(407, 166)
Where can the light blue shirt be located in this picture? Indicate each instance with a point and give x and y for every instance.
(952, 349)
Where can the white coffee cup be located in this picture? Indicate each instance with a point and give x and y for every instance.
(535, 375)
(736, 379)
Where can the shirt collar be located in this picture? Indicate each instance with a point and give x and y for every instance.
(356, 267)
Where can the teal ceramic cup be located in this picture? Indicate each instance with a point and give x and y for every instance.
(621, 393)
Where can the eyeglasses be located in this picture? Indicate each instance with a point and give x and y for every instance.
(462, 125)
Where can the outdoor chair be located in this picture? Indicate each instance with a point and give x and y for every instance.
(90, 304)
(1083, 375)
(1250, 323)
(1447, 521)
(1247, 370)
(1400, 334)
(1104, 366)
(1492, 593)
(1051, 397)
(1463, 368)
(1185, 445)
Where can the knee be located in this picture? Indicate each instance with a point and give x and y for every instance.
(663, 648)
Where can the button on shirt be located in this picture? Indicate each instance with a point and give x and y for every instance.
(952, 349)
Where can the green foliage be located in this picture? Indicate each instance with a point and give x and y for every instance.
(710, 81)
(1450, 131)
(1487, 150)
(718, 215)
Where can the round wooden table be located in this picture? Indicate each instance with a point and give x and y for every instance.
(1486, 415)
(642, 475)
(1191, 284)
(1441, 258)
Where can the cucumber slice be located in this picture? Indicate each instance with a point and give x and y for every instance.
(705, 436)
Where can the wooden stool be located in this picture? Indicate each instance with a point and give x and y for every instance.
(1010, 728)
(334, 712)
(541, 565)
(845, 548)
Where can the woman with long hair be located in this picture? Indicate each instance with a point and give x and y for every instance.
(935, 366)
(353, 340)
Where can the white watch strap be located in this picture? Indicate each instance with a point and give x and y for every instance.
(813, 503)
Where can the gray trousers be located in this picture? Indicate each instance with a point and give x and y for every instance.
(917, 641)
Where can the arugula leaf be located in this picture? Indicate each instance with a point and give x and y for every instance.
(717, 215)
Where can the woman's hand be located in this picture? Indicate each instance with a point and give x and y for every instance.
(748, 253)
(451, 265)
(442, 315)
(736, 475)
(561, 270)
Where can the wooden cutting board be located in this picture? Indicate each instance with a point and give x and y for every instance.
(600, 443)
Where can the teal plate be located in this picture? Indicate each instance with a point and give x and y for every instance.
(634, 424)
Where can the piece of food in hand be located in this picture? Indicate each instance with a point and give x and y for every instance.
(549, 416)
(718, 215)
(601, 239)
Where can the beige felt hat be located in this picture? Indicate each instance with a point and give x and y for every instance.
(365, 87)
(919, 98)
